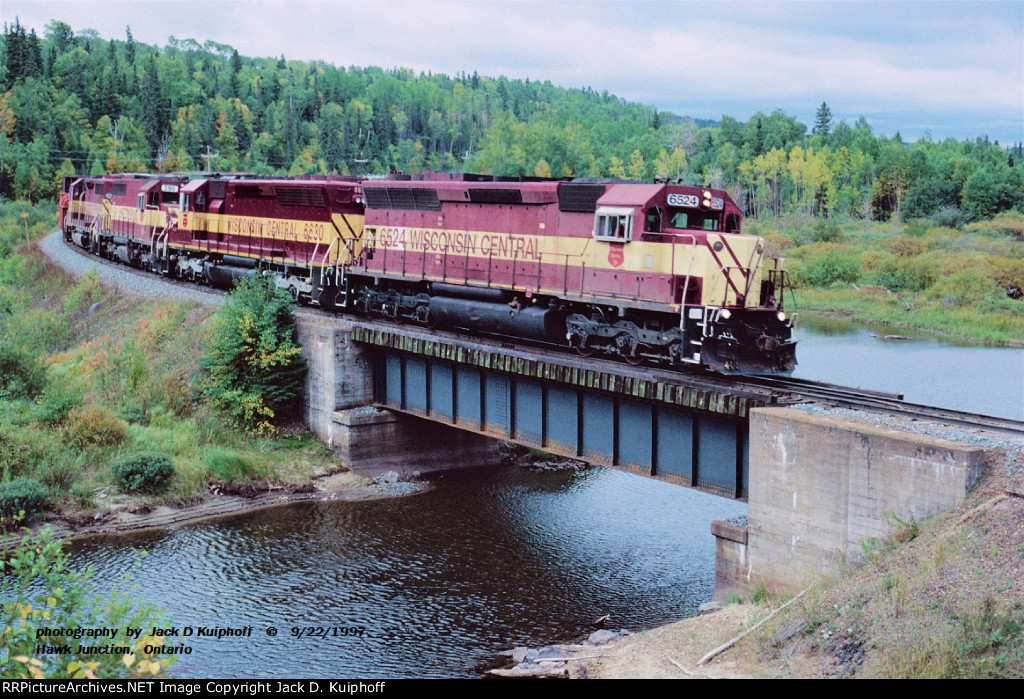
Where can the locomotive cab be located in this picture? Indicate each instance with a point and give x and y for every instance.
(686, 282)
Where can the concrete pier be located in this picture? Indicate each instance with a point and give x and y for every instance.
(820, 486)
(731, 564)
(374, 440)
(339, 371)
(339, 410)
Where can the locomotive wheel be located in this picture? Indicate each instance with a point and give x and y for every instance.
(633, 359)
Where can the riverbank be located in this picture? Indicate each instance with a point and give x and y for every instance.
(964, 282)
(97, 372)
(876, 306)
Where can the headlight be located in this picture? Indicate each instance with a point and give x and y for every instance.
(781, 316)
(725, 314)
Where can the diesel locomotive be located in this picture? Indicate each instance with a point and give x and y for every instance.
(658, 272)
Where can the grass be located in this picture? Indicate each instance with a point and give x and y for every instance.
(953, 282)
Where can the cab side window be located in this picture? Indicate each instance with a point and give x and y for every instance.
(613, 225)
(652, 222)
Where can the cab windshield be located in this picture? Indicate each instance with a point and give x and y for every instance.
(692, 219)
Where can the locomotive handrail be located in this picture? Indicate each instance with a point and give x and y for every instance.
(156, 241)
(689, 268)
(750, 275)
(726, 274)
(724, 269)
(323, 260)
(312, 260)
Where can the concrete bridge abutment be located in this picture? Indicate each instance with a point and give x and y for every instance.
(820, 486)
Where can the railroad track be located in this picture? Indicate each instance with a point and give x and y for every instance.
(775, 390)
(882, 402)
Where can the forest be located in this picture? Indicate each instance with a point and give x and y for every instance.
(72, 102)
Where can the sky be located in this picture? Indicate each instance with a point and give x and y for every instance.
(924, 68)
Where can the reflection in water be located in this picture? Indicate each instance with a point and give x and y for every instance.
(987, 380)
(490, 559)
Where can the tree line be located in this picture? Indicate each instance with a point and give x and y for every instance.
(75, 103)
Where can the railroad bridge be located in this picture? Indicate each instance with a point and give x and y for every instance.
(691, 430)
(403, 398)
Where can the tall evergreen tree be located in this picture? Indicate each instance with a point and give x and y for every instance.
(823, 122)
(129, 47)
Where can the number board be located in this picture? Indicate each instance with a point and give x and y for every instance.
(691, 201)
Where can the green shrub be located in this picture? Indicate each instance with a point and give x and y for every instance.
(145, 472)
(966, 287)
(1010, 275)
(94, 426)
(948, 216)
(133, 413)
(84, 293)
(905, 245)
(22, 494)
(22, 375)
(916, 228)
(57, 401)
(1002, 305)
(906, 273)
(829, 269)
(826, 230)
(253, 368)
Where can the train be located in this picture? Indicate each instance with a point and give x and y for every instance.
(640, 272)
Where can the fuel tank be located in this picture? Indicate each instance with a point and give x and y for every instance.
(529, 322)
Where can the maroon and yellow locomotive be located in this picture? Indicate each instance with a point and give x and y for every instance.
(634, 270)
(637, 271)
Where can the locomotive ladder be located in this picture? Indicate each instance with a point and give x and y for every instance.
(158, 237)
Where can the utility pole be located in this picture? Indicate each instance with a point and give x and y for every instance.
(208, 157)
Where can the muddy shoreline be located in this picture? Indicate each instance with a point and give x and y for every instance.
(127, 514)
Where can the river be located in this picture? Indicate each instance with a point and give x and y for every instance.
(489, 558)
(986, 380)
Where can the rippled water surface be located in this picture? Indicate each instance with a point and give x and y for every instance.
(489, 559)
